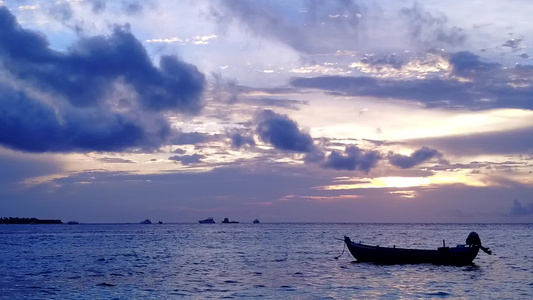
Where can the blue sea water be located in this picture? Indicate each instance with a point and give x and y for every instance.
(244, 261)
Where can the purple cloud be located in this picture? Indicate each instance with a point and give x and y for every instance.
(419, 156)
(353, 158)
(85, 76)
(87, 72)
(188, 159)
(30, 125)
(282, 132)
(520, 209)
(492, 85)
(238, 140)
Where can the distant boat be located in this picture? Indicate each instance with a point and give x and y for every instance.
(147, 221)
(458, 256)
(207, 221)
(73, 222)
(227, 221)
(159, 222)
(256, 221)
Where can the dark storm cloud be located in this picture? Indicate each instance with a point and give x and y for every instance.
(491, 85)
(239, 140)
(86, 76)
(30, 125)
(188, 159)
(517, 141)
(88, 71)
(352, 159)
(282, 132)
(419, 156)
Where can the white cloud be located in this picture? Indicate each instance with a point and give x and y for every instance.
(28, 7)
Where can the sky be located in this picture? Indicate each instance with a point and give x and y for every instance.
(285, 111)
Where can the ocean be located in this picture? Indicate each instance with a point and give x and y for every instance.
(245, 261)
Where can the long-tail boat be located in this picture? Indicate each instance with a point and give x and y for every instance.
(459, 256)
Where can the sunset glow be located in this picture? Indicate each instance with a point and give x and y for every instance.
(286, 110)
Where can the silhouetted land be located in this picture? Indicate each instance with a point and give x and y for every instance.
(12, 220)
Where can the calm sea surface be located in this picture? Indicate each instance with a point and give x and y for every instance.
(243, 261)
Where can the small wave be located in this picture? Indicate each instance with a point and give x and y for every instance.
(105, 284)
(48, 292)
(231, 281)
(441, 294)
(129, 254)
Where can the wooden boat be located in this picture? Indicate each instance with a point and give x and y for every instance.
(459, 256)
(207, 221)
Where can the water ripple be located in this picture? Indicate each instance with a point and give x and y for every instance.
(271, 261)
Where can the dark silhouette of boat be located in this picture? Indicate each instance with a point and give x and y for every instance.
(227, 221)
(147, 221)
(458, 256)
(256, 221)
(73, 222)
(207, 221)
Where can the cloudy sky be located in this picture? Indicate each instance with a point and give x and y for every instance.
(286, 111)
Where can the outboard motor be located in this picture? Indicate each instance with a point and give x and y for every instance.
(474, 240)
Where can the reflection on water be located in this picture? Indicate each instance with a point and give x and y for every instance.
(273, 261)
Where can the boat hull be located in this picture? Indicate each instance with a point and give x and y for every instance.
(458, 256)
(207, 221)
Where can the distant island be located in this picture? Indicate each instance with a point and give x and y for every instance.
(12, 220)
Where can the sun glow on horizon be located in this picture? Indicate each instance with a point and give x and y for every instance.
(405, 182)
